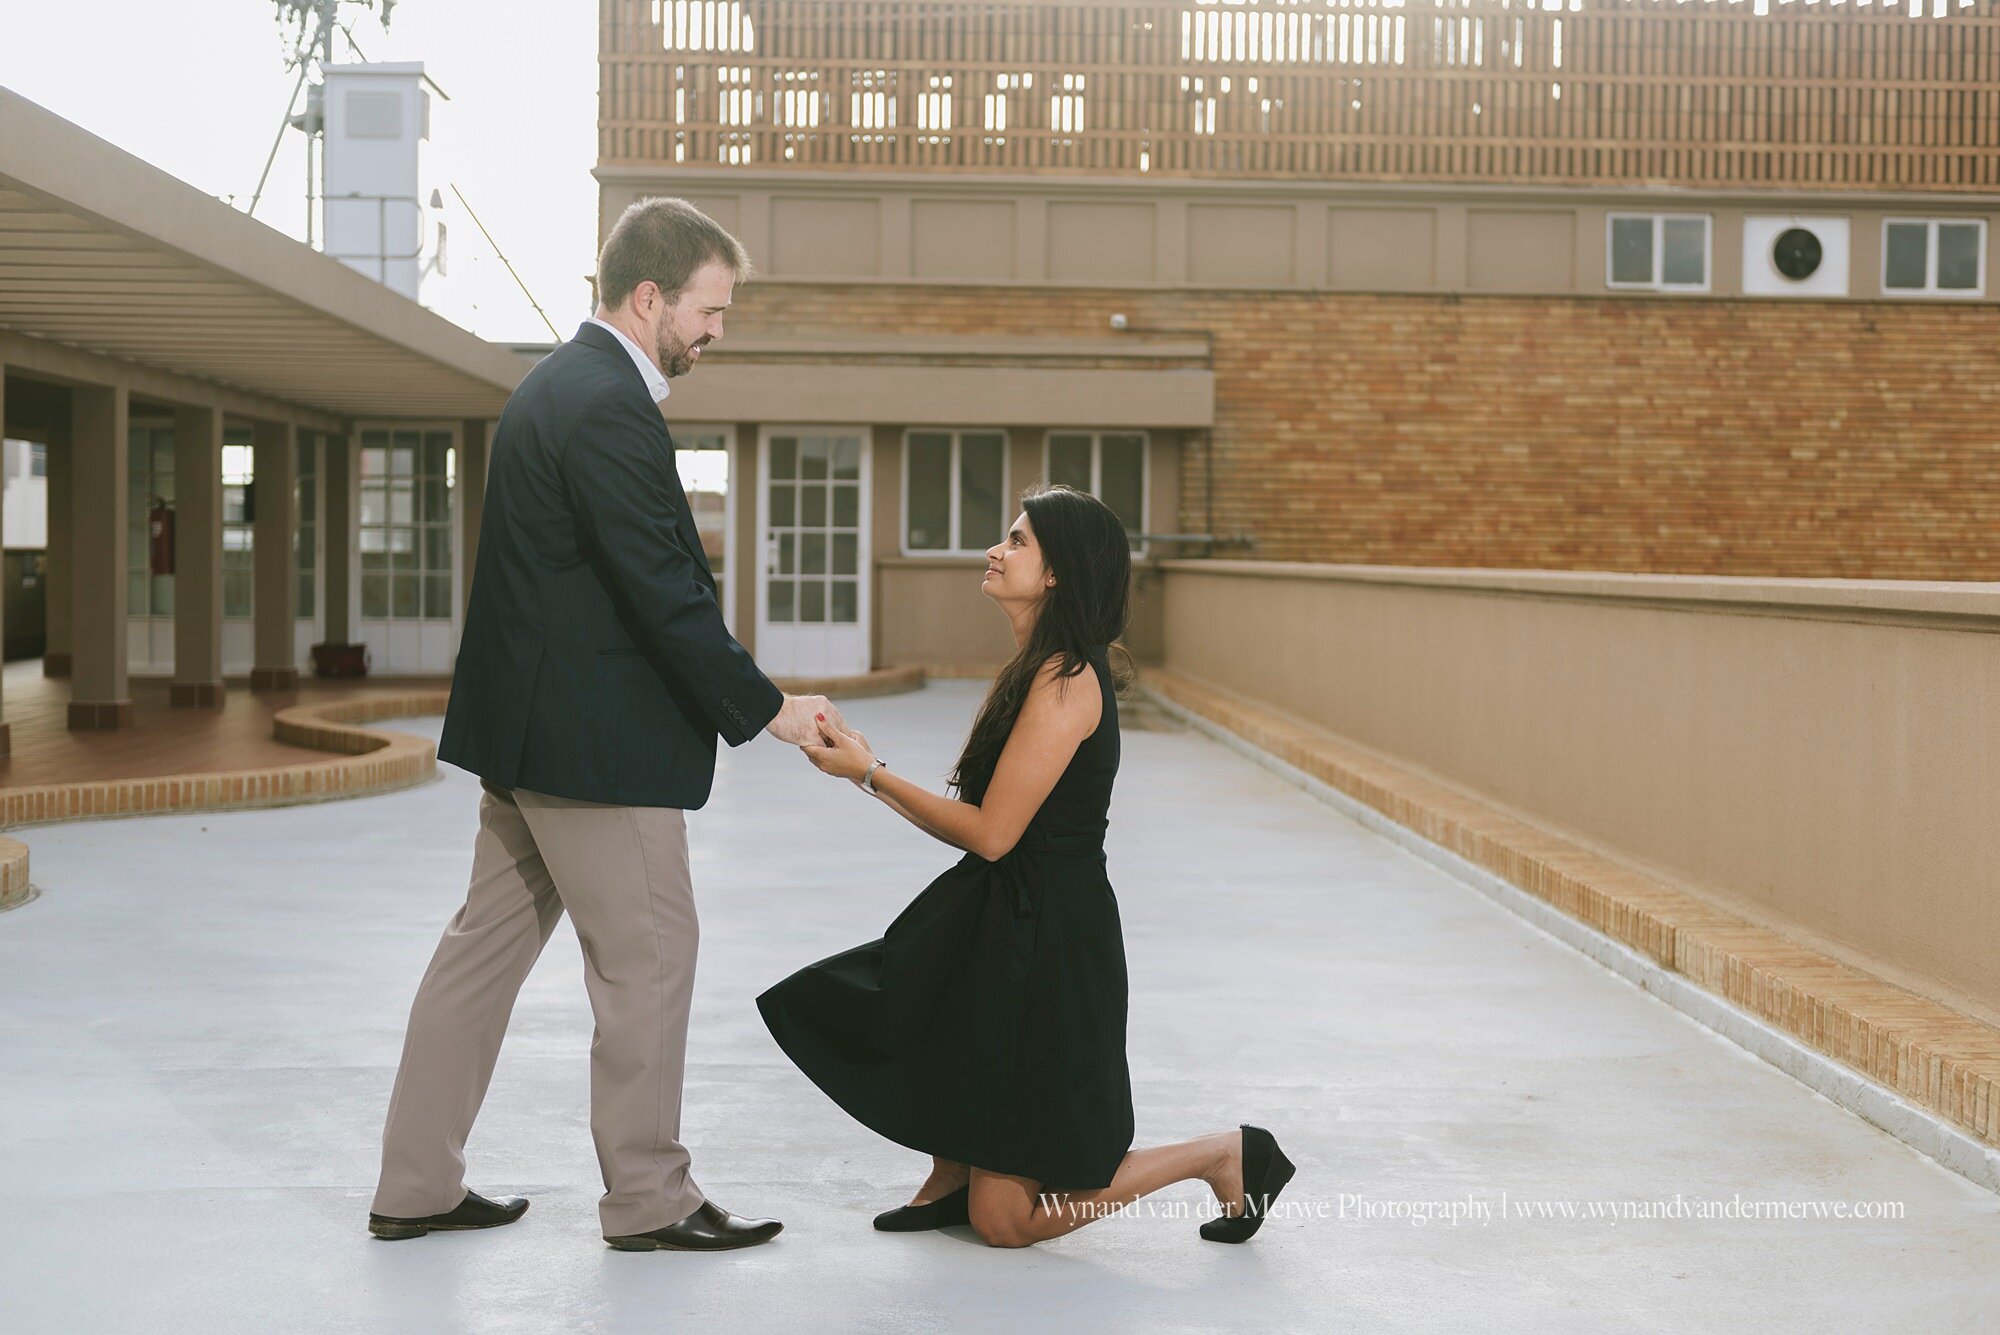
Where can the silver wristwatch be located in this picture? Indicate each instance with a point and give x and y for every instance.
(868, 776)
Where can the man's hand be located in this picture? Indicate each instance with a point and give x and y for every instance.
(799, 718)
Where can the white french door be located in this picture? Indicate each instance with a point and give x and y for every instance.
(813, 568)
(406, 548)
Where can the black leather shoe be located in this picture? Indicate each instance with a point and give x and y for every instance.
(475, 1211)
(948, 1211)
(1266, 1170)
(709, 1229)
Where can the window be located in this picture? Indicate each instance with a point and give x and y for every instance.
(1937, 256)
(406, 565)
(150, 477)
(38, 459)
(238, 560)
(814, 502)
(1110, 465)
(1658, 251)
(954, 491)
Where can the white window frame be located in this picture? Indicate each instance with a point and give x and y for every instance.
(1930, 287)
(1097, 436)
(1659, 220)
(956, 546)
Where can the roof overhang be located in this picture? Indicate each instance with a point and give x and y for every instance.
(105, 255)
(941, 380)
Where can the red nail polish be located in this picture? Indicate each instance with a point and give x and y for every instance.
(820, 717)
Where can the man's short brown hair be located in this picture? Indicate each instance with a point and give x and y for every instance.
(664, 241)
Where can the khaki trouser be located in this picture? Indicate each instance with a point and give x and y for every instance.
(622, 873)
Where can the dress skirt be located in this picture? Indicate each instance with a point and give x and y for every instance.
(987, 1026)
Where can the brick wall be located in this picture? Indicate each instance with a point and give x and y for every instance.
(1856, 440)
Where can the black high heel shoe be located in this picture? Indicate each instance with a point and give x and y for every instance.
(1266, 1170)
(948, 1211)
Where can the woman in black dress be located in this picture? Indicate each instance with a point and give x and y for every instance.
(987, 1026)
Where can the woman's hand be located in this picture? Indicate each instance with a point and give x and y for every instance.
(846, 755)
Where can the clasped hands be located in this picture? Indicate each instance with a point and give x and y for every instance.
(814, 725)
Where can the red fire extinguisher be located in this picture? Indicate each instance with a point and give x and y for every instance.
(160, 533)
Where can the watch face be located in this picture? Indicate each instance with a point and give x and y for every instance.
(1796, 253)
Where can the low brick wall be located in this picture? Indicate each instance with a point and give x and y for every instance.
(1932, 1055)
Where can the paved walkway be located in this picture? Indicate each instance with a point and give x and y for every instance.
(200, 1017)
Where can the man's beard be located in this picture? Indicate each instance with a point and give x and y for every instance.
(674, 358)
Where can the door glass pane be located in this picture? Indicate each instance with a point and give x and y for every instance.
(812, 553)
(437, 499)
(236, 594)
(812, 456)
(784, 510)
(436, 444)
(846, 505)
(163, 595)
(1958, 256)
(780, 600)
(437, 596)
(374, 549)
(930, 491)
(847, 457)
(403, 548)
(404, 596)
(374, 506)
(1684, 247)
(437, 547)
(1906, 244)
(812, 600)
(812, 506)
(1125, 480)
(305, 597)
(787, 554)
(843, 601)
(980, 501)
(402, 504)
(1631, 250)
(1069, 461)
(784, 457)
(375, 596)
(846, 554)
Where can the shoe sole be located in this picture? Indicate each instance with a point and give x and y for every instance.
(645, 1244)
(393, 1230)
(397, 1232)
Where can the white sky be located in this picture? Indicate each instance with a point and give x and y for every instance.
(198, 88)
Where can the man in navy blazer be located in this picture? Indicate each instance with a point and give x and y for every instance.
(593, 678)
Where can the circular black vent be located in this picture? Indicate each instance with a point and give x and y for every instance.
(1796, 253)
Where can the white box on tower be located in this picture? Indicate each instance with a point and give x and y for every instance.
(376, 118)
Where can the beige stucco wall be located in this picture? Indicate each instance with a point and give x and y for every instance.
(1822, 757)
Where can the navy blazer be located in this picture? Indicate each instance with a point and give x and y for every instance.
(594, 662)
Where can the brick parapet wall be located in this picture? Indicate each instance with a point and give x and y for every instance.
(1694, 436)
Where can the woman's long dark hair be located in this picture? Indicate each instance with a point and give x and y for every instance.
(1087, 550)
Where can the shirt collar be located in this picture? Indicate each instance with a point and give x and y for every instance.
(656, 383)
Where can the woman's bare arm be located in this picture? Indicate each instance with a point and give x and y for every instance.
(1057, 715)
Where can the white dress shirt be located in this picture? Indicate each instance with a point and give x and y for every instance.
(656, 383)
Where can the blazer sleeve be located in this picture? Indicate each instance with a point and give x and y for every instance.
(625, 499)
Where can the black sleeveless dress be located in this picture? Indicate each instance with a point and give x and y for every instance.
(987, 1026)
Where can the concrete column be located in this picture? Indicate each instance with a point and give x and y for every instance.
(274, 583)
(475, 441)
(99, 698)
(197, 559)
(339, 536)
(56, 565)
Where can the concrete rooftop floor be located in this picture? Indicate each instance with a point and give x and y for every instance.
(200, 1017)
